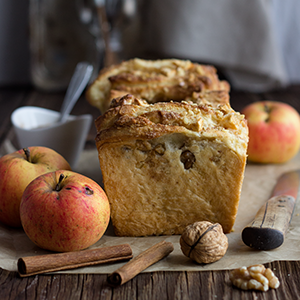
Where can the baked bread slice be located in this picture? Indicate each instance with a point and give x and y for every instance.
(169, 164)
(154, 80)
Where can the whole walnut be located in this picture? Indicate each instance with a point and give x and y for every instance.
(204, 242)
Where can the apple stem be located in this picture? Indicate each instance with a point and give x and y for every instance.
(267, 109)
(27, 154)
(58, 187)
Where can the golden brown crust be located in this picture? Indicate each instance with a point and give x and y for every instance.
(209, 97)
(154, 81)
(132, 118)
(167, 165)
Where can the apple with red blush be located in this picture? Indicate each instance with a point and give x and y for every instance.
(17, 170)
(64, 211)
(274, 131)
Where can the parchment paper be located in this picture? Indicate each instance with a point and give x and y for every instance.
(258, 183)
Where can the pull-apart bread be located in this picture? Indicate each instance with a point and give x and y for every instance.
(170, 164)
(156, 81)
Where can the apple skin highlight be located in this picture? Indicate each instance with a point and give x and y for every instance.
(70, 218)
(274, 131)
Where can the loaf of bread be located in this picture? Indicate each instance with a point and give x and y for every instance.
(155, 81)
(169, 164)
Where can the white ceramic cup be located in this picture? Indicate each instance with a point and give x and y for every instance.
(36, 126)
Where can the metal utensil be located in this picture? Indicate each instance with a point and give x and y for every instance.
(78, 82)
(271, 222)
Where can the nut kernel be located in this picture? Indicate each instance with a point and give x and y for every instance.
(255, 277)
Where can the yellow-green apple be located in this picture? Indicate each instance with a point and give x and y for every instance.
(64, 211)
(274, 131)
(17, 170)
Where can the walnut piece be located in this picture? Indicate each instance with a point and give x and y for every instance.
(204, 242)
(255, 277)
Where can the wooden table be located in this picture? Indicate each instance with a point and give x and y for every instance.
(156, 285)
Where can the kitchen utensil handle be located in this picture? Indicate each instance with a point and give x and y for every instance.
(270, 224)
(79, 80)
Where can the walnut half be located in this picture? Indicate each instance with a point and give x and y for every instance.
(204, 242)
(255, 277)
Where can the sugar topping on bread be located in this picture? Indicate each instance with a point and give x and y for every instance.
(131, 117)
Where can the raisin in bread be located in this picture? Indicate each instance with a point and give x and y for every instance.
(169, 164)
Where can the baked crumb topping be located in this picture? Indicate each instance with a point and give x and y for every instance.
(130, 117)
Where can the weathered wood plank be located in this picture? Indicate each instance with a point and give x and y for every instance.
(239, 99)
(156, 285)
(291, 95)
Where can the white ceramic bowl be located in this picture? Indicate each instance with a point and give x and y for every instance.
(36, 126)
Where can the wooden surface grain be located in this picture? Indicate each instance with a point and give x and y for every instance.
(155, 285)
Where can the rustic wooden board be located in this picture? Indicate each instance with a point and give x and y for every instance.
(157, 285)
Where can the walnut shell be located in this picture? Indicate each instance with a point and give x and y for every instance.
(204, 242)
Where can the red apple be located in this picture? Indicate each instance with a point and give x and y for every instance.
(274, 131)
(64, 211)
(17, 170)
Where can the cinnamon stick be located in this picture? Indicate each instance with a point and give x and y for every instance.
(33, 265)
(140, 263)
